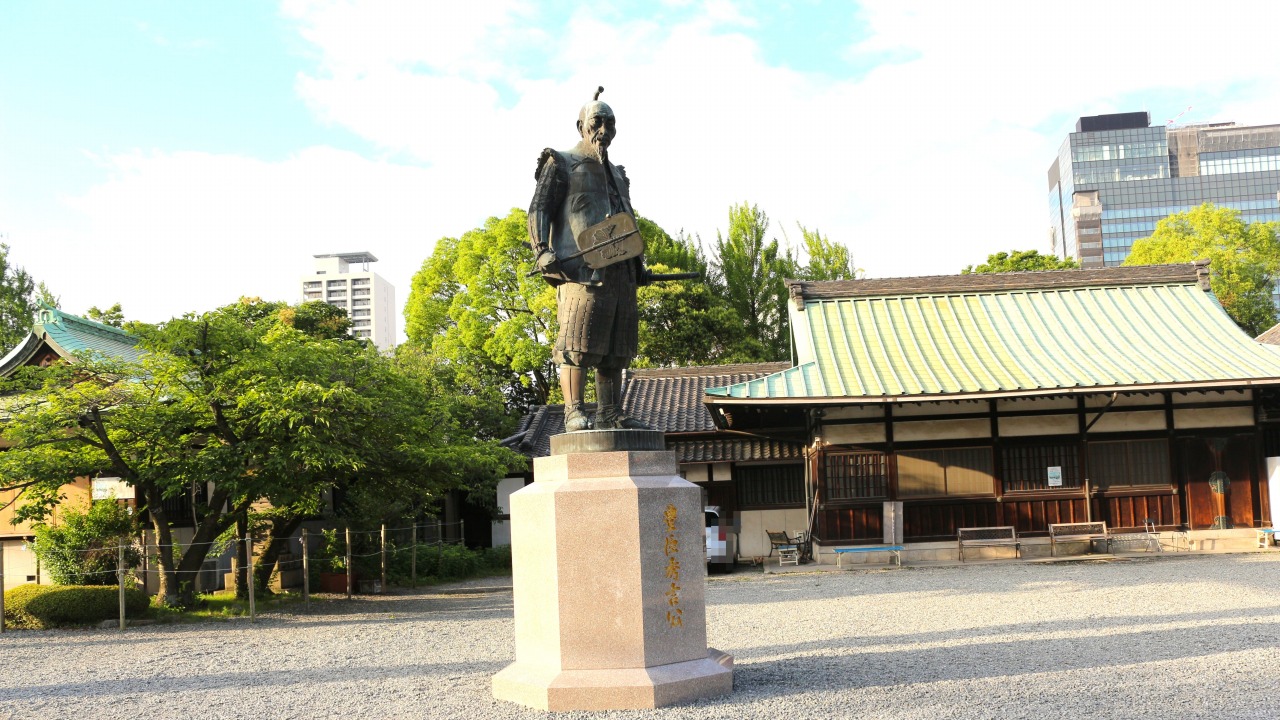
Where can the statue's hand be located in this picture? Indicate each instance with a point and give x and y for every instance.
(547, 261)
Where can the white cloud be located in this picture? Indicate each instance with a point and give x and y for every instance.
(205, 229)
(923, 164)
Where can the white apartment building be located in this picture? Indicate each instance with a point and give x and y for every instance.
(369, 300)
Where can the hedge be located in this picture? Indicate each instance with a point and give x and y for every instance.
(49, 606)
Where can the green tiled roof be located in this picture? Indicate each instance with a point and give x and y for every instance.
(76, 334)
(977, 337)
(68, 334)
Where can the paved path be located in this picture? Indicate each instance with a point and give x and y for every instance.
(1174, 637)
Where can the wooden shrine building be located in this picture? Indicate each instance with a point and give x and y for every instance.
(1119, 394)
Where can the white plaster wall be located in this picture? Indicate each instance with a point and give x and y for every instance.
(1114, 421)
(1039, 425)
(853, 434)
(19, 564)
(853, 413)
(502, 528)
(800, 332)
(696, 472)
(941, 430)
(752, 540)
(721, 471)
(1212, 417)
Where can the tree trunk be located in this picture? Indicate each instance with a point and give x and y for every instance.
(166, 592)
(281, 530)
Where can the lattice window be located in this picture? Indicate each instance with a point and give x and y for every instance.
(856, 476)
(769, 484)
(1127, 463)
(1026, 467)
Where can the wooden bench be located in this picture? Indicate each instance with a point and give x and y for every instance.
(1066, 532)
(895, 549)
(1002, 536)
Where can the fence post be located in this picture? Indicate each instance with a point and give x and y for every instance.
(120, 578)
(351, 572)
(248, 551)
(382, 578)
(1, 587)
(412, 561)
(462, 533)
(306, 573)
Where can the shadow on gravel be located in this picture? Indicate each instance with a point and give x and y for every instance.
(161, 685)
(1109, 646)
(1261, 617)
(1008, 577)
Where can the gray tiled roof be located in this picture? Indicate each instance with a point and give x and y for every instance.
(1271, 336)
(734, 449)
(670, 399)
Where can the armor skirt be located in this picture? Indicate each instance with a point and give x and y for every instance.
(599, 326)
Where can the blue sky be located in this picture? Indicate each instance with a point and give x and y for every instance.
(175, 156)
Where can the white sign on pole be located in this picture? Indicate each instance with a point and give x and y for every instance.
(105, 488)
(1055, 476)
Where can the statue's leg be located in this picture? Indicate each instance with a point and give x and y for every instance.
(573, 383)
(609, 395)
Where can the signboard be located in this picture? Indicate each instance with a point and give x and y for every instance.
(107, 487)
(1055, 476)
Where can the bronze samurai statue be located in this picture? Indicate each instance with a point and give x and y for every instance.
(583, 232)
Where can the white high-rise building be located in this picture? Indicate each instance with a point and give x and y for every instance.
(370, 301)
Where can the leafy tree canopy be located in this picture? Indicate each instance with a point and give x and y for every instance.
(1021, 261)
(1244, 258)
(827, 260)
(113, 316)
(239, 401)
(475, 305)
(17, 302)
(753, 271)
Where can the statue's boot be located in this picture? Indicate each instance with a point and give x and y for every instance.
(608, 393)
(573, 383)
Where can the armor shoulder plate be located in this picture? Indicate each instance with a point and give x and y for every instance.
(555, 159)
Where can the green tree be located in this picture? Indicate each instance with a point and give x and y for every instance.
(46, 296)
(827, 260)
(1244, 258)
(235, 400)
(682, 253)
(17, 302)
(80, 547)
(687, 323)
(1021, 261)
(113, 316)
(474, 304)
(752, 272)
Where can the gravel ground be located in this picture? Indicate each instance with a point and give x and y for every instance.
(1178, 636)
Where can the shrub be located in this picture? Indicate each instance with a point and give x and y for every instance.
(49, 606)
(82, 548)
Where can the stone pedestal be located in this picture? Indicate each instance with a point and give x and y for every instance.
(609, 576)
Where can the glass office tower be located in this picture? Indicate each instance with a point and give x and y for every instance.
(1116, 176)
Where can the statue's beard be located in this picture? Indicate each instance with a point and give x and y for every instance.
(598, 150)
